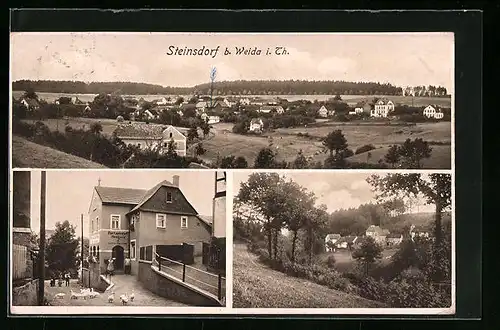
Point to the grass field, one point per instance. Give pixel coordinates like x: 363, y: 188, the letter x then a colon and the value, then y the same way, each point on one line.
x: 26, y: 154
x: 224, y: 142
x: 257, y: 286
x: 288, y: 143
x: 344, y: 261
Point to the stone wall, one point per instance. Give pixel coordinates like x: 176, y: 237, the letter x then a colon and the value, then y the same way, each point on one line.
x: 25, y: 295
x: 172, y: 288
x: 95, y: 278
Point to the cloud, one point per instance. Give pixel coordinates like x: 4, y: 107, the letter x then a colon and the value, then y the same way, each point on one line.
x: 340, y: 199
x: 360, y: 184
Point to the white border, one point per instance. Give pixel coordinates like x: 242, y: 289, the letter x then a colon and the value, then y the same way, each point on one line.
x: 228, y: 310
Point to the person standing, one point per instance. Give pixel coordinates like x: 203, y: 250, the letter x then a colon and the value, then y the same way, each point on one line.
x: 111, y: 267
x: 127, y: 265
x: 67, y: 278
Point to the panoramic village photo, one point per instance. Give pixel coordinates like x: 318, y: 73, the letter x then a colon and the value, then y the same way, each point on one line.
x: 342, y: 240
x: 141, y: 238
x: 199, y: 100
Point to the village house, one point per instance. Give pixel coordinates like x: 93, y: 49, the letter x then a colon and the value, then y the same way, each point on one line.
x: 377, y: 233
x: 271, y: 108
x: 133, y: 223
x: 323, y: 112
x: 201, y: 106
x: 30, y: 104
x: 256, y: 125
x: 330, y: 241
x: 245, y: 101
x: 346, y: 242
x: 152, y: 137
x: 151, y: 114
x: 433, y: 111
x: 418, y: 232
x: 365, y: 107
x: 164, y: 101
x: 213, y: 119
x: 394, y: 239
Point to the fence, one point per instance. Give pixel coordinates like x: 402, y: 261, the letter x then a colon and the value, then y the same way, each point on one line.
x: 212, y: 283
x: 21, y: 263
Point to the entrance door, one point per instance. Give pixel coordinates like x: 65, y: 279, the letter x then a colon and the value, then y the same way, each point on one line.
x: 118, y: 253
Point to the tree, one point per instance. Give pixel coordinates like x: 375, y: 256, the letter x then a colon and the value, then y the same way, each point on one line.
x: 62, y: 247
x: 240, y: 162
x: 368, y: 252
x: 205, y: 128
x: 413, y: 152
x: 337, y: 98
x: 266, y: 158
x: 96, y: 128
x: 300, y: 161
x: 192, y: 133
x: 200, y: 150
x: 30, y: 94
x: 393, y: 155
x: 335, y: 141
x: 435, y: 188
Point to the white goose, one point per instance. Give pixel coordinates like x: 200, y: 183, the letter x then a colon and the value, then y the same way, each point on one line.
x: 111, y: 297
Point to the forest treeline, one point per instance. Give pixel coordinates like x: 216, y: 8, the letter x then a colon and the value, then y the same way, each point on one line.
x: 239, y: 87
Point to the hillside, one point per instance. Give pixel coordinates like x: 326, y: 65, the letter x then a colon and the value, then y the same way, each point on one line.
x: 26, y: 154
x: 257, y: 286
x: 422, y: 220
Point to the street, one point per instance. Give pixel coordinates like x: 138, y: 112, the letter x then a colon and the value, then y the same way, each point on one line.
x: 123, y: 284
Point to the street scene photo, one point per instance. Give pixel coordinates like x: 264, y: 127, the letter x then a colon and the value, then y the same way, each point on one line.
x: 119, y: 238
x: 321, y: 239
x: 214, y: 100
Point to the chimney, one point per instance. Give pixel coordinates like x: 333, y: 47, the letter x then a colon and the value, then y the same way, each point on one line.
x: 175, y: 180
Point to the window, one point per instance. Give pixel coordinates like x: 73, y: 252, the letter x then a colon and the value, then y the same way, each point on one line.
x: 184, y: 222
x: 149, y: 253
x: 97, y: 256
x: 132, y: 249
x: 170, y: 135
x: 161, y: 221
x: 165, y: 144
x: 115, y: 221
x: 169, y: 197
x: 92, y: 226
x: 97, y: 223
x: 139, y: 145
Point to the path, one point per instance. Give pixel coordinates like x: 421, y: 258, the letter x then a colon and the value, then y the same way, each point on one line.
x: 123, y: 284
x: 258, y: 286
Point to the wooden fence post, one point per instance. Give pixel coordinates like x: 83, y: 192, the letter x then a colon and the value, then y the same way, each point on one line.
x: 159, y: 263
x: 183, y: 272
x: 219, y: 287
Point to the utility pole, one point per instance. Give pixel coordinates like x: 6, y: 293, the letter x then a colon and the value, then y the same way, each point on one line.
x: 41, y: 259
x: 81, y: 250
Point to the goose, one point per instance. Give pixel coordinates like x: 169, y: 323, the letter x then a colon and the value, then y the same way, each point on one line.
x: 111, y: 297
x: 132, y: 296
x: 59, y: 295
x: 73, y: 295
x: 124, y: 299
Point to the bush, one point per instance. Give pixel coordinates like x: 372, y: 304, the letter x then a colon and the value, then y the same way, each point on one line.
x: 331, y: 261
x: 365, y: 148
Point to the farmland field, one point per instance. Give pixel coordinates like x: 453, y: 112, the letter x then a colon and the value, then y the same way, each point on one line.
x: 344, y: 261
x: 288, y: 143
x: 26, y: 154
x: 258, y: 286
x: 349, y: 99
x: 223, y: 142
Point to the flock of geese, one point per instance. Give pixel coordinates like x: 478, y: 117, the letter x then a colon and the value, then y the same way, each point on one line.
x: 91, y: 294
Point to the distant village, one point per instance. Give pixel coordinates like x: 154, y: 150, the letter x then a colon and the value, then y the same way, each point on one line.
x: 381, y: 236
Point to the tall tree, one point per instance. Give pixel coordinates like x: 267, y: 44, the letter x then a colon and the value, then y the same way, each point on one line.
x: 62, y: 247
x: 435, y: 188
x: 393, y: 155
x: 413, y: 152
x: 367, y: 253
x: 335, y: 141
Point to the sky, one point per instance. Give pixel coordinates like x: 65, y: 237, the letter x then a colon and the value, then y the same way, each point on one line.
x: 335, y: 190
x: 68, y: 194
x: 402, y: 59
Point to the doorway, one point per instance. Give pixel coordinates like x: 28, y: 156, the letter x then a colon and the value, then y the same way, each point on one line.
x: 118, y: 253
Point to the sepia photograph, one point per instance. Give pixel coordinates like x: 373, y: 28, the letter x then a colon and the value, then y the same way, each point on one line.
x: 367, y: 241
x: 232, y: 100
x: 118, y: 239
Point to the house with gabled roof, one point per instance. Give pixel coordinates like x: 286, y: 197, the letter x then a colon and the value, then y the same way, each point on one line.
x: 346, y: 242
x: 134, y: 223
x: 330, y: 241
x: 30, y: 104
x: 433, y: 111
x: 152, y: 137
x: 377, y: 233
